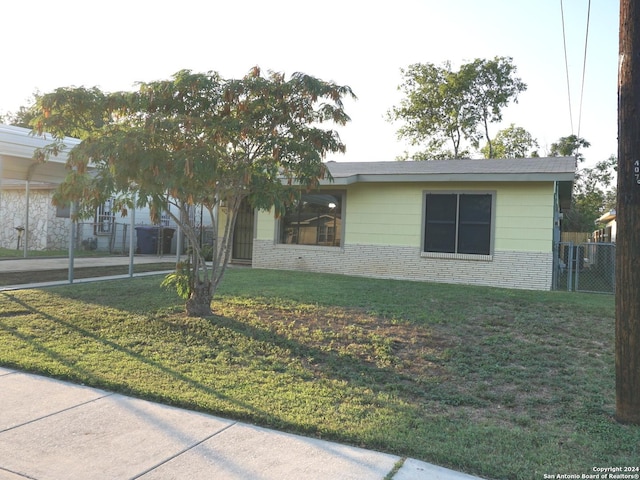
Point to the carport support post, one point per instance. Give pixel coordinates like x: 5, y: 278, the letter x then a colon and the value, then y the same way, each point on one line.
x: 179, y: 238
x: 178, y: 243
x: 72, y: 238
x: 132, y: 224
x: 627, y: 352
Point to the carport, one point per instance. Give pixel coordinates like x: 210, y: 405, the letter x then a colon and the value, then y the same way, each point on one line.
x: 17, y: 164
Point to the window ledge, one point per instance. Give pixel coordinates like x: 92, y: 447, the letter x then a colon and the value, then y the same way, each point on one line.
x: 328, y: 248
x: 457, y: 256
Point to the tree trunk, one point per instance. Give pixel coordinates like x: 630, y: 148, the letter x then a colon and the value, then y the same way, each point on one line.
x: 486, y: 133
x: 199, y: 303
x: 628, y: 218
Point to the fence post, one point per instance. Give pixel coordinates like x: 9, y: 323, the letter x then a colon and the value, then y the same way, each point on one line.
x: 579, y: 259
x: 570, y: 268
x: 556, y: 264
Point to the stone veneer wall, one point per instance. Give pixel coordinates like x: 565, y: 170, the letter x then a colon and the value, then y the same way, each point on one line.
x: 46, y: 231
x: 524, y: 270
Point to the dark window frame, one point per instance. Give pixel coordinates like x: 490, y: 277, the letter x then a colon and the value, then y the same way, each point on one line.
x: 290, y: 233
x: 441, y: 234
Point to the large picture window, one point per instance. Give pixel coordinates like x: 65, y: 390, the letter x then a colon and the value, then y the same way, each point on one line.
x: 315, y: 219
x: 458, y: 223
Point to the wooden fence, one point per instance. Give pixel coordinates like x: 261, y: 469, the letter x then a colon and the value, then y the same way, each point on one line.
x: 575, y: 237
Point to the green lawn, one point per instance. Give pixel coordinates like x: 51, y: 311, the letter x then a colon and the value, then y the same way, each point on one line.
x: 497, y: 383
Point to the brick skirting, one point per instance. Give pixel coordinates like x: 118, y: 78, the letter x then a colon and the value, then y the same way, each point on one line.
x: 524, y: 270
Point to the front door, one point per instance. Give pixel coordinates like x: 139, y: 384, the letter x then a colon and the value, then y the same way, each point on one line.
x: 243, y: 234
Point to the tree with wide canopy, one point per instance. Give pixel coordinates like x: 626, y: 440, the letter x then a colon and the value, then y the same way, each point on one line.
x: 443, y: 107
x: 196, y: 139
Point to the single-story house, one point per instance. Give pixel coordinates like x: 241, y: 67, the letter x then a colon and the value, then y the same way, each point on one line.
x: 484, y: 222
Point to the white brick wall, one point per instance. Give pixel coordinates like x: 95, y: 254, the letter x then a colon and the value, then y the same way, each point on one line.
x: 46, y: 231
x: 525, y: 270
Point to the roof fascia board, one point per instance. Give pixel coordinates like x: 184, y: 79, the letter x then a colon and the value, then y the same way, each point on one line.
x: 32, y: 186
x: 22, y: 143
x: 453, y: 177
x: 340, y: 180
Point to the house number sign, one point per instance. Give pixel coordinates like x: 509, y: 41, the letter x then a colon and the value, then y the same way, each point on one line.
x: 636, y: 171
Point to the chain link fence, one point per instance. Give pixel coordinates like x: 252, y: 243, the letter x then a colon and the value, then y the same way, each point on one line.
x: 149, y: 239
x: 113, y: 239
x: 585, y: 267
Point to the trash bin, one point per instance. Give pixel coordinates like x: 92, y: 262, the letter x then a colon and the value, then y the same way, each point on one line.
x: 167, y: 238
x: 148, y: 239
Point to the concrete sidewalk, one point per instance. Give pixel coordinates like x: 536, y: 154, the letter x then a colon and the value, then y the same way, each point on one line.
x: 53, y: 430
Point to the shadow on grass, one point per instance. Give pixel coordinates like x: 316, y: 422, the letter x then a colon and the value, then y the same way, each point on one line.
x: 315, y: 364
x: 89, y: 377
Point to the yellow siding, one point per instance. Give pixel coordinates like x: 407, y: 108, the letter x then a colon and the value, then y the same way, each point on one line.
x: 265, y: 227
x: 222, y: 220
x: 524, y: 217
x: 391, y: 214
x: 383, y: 214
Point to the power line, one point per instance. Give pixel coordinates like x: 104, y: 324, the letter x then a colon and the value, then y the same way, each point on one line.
x: 566, y: 65
x: 584, y: 66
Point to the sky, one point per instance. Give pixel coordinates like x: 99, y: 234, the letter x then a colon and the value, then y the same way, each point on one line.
x: 363, y: 44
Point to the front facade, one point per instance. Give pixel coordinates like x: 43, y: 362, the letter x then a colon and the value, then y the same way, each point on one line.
x: 484, y: 222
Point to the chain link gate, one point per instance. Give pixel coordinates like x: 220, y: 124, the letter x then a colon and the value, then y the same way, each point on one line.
x: 585, y: 267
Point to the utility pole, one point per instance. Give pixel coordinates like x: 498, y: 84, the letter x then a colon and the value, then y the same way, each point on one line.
x: 628, y: 218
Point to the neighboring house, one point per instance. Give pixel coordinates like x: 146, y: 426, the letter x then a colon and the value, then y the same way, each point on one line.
x: 27, y: 214
x: 608, y: 232
x: 484, y: 222
x: 26, y: 209
x: 48, y: 225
